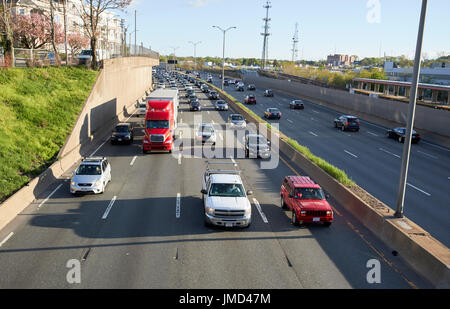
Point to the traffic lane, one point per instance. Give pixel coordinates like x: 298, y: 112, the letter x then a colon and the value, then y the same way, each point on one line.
x: 339, y: 145
x: 266, y: 187
x: 52, y: 236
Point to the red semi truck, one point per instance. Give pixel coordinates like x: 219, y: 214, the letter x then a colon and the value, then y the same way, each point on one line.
x: 160, y: 121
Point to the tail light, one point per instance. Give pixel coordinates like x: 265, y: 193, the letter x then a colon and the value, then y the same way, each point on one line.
x: 359, y: 124
x: 347, y: 124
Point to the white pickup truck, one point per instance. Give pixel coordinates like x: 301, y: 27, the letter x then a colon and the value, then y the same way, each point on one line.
x: 225, y: 199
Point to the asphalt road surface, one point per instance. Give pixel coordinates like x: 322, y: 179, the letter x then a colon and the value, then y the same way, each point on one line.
x: 369, y: 158
x: 147, y: 231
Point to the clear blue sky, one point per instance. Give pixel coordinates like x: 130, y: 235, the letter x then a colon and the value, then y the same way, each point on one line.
x: 326, y: 26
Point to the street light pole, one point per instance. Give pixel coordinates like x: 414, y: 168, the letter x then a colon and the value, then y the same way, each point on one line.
x: 195, y: 53
x: 412, y: 111
x: 223, y: 56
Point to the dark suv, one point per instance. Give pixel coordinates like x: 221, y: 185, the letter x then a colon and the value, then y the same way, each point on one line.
x: 122, y: 133
x: 213, y: 95
x: 268, y: 93
x: 347, y: 123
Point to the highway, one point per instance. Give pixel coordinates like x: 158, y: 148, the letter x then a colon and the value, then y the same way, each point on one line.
x: 147, y: 231
x: 369, y: 158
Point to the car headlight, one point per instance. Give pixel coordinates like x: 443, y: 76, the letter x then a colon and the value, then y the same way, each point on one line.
x: 248, y: 211
x: 98, y: 183
x: 73, y: 183
x: 329, y: 213
x: 210, y: 211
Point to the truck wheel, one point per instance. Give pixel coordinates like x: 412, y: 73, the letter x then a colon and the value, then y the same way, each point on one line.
x: 283, y: 204
x: 294, y: 219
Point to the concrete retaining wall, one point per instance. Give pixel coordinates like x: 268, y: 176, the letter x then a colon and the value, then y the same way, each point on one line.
x: 118, y: 86
x: 422, y: 252
x: 428, y: 119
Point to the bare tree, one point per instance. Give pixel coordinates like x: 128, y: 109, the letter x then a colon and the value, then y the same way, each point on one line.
x: 90, y: 13
x: 7, y: 28
x: 53, y: 32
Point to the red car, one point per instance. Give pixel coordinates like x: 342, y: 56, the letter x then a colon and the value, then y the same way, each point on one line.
x: 306, y: 200
x: 250, y: 99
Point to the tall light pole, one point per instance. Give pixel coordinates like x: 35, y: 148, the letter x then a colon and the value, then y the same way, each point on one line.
x: 223, y: 56
x: 411, y: 115
x: 195, y: 53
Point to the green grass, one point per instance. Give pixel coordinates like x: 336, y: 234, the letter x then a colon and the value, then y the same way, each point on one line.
x: 333, y: 171
x: 38, y: 108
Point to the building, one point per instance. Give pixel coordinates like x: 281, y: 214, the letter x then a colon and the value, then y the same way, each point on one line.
x: 437, y: 74
x: 340, y: 60
x: 111, y: 35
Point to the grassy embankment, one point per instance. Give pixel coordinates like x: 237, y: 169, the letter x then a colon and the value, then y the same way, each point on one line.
x: 38, y: 108
x: 333, y: 171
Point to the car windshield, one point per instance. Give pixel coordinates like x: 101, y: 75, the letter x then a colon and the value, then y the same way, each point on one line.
x: 206, y: 129
x: 237, y: 118
x: 273, y: 110
x: 158, y: 124
x: 227, y: 190
x: 122, y: 129
x: 89, y: 170
x: 353, y: 120
x: 86, y: 53
x: 220, y: 102
x: 142, y: 105
x: 309, y: 194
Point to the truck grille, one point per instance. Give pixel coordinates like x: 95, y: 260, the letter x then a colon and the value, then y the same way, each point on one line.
x: 85, y: 185
x: 157, y: 138
x: 229, y: 213
x: 316, y: 213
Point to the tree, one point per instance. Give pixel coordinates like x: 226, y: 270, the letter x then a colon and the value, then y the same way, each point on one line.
x: 77, y: 42
x: 90, y: 13
x: 34, y: 31
x: 6, y: 27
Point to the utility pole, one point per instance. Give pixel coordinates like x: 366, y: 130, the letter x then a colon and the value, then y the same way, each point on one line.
x: 223, y: 55
x: 295, y: 41
x: 266, y: 35
x: 195, y: 53
x: 65, y: 30
x: 135, y: 31
x: 412, y: 111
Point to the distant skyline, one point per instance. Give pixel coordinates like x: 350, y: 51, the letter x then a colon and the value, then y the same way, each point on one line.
x: 366, y: 28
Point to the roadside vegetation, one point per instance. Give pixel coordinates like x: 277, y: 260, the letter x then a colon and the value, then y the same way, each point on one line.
x: 38, y: 108
x: 332, y: 170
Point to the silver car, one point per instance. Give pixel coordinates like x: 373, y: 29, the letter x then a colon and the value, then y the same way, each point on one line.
x: 206, y: 134
x: 237, y: 121
x: 91, y: 176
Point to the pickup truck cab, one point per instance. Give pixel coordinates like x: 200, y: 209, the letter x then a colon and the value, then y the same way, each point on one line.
x: 224, y: 198
x: 306, y: 200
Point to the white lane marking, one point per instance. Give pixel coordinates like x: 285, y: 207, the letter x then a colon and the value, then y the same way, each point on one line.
x: 6, y: 239
x: 179, y: 159
x: 263, y: 216
x: 181, y: 120
x: 105, y: 215
x: 220, y: 136
x: 371, y: 124
x: 92, y: 154
x: 420, y: 190
x: 232, y: 160
x: 353, y: 155
x: 437, y: 146
x: 132, y: 161
x: 212, y: 121
x: 312, y: 133
x: 313, y: 119
x: 388, y: 152
x: 372, y: 133
x: 289, y: 120
x: 48, y: 197
x: 178, y: 206
x: 424, y: 153
x: 316, y: 112
x: 208, y: 112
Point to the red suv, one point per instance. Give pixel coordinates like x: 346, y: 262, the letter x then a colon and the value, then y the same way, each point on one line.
x: 306, y: 200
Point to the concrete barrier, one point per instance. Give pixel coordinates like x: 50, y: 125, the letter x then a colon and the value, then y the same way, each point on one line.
x: 93, y: 125
x: 422, y: 252
x: 373, y: 109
